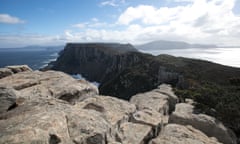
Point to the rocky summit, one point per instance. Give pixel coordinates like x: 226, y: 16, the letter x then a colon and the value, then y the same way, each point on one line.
x: 53, y: 108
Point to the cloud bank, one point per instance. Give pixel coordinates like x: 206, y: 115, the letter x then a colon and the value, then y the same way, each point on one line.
x: 199, y: 21
x: 8, y: 19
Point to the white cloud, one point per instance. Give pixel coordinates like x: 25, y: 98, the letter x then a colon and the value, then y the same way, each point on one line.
x: 109, y: 3
x: 93, y: 23
x: 149, y: 14
x: 80, y: 25
x: 183, y: 0
x: 113, y: 3
x: 95, y: 19
x: 8, y: 19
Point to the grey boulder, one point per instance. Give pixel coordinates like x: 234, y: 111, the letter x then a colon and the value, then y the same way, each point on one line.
x: 184, y: 115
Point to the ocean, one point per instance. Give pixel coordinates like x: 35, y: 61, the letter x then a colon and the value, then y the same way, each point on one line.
x: 35, y: 59
x: 224, y: 56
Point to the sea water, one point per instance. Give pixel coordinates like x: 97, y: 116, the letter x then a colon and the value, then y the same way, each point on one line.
x: 35, y: 59
x: 224, y: 56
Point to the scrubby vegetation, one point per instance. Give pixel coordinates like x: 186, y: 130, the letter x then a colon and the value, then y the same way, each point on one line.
x: 220, y: 101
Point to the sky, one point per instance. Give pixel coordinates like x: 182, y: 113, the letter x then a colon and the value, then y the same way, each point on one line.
x: 56, y: 22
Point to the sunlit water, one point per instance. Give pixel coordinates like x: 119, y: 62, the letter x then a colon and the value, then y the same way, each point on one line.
x: 224, y: 56
x: 34, y: 59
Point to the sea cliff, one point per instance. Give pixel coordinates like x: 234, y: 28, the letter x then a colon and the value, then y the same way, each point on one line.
x: 123, y: 72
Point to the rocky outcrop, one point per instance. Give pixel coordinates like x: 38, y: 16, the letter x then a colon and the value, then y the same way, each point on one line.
x: 52, y: 121
x: 172, y: 98
x: 134, y: 133
x: 7, y: 99
x: 9, y: 70
x: 19, y: 68
x: 52, y: 108
x: 184, y: 115
x: 161, y: 99
x: 32, y: 85
x: 115, y: 110
x: 5, y: 72
x: 151, y: 100
x: 179, y: 134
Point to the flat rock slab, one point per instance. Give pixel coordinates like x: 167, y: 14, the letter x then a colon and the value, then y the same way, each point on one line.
x: 151, y: 100
x: 32, y: 85
x: 132, y: 133
x: 148, y: 117
x: 52, y: 120
x: 34, y: 123
x: 115, y: 110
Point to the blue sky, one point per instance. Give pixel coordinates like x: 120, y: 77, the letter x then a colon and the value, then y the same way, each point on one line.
x: 55, y: 22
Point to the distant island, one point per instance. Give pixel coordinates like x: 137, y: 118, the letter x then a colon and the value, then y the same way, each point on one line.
x: 163, y: 44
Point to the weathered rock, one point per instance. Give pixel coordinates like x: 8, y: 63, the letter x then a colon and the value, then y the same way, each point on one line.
x: 32, y: 85
x: 52, y: 120
x: 132, y: 133
x: 9, y: 70
x: 147, y: 117
x: 178, y: 134
x: 189, y: 101
x: 184, y: 114
x: 87, y: 127
x: 115, y: 110
x: 167, y: 90
x: 7, y: 99
x: 5, y: 72
x: 151, y: 100
x: 37, y: 122
x: 150, y: 118
x: 19, y: 68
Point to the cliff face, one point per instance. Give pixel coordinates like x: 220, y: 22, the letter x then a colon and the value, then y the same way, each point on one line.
x: 121, y: 70
x: 95, y: 61
x: 52, y: 108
